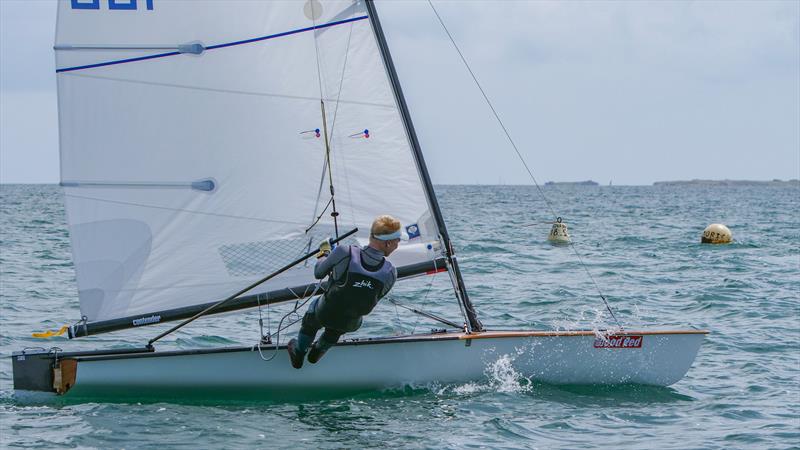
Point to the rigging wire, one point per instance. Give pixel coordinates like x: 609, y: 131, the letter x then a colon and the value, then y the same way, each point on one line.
x: 319, y: 194
x: 421, y: 313
x: 334, y: 213
x: 521, y: 158
x: 425, y: 314
x: 319, y: 216
x: 261, y: 320
x: 316, y: 46
x: 326, y: 163
x: 281, y: 327
x: 341, y: 79
x: 458, y: 298
x: 427, y: 292
x: 333, y: 123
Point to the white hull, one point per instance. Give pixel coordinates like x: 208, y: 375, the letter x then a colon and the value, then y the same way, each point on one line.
x: 661, y: 359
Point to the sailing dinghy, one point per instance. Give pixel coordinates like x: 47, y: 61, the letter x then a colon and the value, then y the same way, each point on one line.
x: 186, y: 133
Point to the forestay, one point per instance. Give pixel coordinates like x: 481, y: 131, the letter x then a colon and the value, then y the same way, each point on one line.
x: 190, y: 156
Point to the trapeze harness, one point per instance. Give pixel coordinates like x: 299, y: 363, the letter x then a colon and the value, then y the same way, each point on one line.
x: 347, y: 300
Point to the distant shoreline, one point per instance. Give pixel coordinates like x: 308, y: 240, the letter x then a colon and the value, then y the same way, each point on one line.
x: 696, y: 182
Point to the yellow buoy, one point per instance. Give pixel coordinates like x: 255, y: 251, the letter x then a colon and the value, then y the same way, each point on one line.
x: 716, y: 233
x: 558, y: 233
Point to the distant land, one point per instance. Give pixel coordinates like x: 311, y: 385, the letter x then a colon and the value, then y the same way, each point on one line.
x: 775, y: 182
x: 571, y: 183
x: 695, y: 182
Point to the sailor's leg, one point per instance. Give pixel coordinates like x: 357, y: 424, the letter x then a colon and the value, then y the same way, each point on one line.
x: 308, y: 331
x: 327, y: 340
x: 297, y: 348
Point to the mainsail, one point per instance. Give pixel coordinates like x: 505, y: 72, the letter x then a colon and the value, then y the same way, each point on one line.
x: 192, y: 146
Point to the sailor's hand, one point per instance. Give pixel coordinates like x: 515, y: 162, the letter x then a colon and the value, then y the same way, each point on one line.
x: 324, y: 248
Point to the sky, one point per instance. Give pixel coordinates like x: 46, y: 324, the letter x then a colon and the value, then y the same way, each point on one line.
x: 628, y: 92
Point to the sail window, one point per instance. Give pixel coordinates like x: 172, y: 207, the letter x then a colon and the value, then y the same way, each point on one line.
x: 262, y: 257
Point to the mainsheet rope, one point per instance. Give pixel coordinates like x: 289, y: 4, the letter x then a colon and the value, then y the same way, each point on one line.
x: 281, y: 327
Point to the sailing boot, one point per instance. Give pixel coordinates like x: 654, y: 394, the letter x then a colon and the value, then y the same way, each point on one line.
x: 317, y: 351
x: 295, y: 355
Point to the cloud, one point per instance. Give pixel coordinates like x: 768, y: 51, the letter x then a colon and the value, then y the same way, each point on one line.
x: 637, y: 91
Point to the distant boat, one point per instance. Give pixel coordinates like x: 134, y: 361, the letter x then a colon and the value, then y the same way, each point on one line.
x: 192, y: 168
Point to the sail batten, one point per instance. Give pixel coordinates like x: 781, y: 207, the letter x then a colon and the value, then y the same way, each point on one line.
x: 181, y: 48
x: 202, y: 185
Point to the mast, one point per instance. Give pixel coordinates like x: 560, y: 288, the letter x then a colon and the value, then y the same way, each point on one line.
x: 473, y: 324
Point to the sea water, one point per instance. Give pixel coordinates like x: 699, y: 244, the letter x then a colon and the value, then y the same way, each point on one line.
x: 637, y: 245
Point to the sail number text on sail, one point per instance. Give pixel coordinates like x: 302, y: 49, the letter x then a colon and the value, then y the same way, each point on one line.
x: 121, y: 5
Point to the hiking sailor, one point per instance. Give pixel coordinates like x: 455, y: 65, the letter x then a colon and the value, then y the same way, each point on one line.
x: 359, y: 278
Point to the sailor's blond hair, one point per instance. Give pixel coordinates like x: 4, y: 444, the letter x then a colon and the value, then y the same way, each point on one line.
x: 384, y: 225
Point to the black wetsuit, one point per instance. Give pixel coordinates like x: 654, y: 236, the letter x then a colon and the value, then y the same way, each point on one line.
x: 359, y: 278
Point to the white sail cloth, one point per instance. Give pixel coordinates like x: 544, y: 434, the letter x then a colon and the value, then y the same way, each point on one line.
x: 140, y: 122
